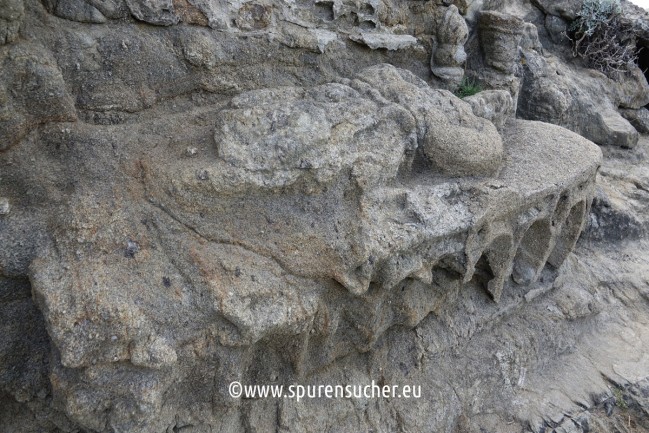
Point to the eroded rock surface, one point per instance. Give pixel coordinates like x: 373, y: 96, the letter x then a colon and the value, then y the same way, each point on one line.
x: 193, y: 193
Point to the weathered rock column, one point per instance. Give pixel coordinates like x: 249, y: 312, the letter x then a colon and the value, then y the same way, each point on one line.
x: 448, y: 56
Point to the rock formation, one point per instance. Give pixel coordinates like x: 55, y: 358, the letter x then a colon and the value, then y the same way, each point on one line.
x: 448, y: 55
x: 194, y: 193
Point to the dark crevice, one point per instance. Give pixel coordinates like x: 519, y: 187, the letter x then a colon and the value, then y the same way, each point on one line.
x: 643, y: 61
x: 483, y: 272
x: 324, y: 11
x: 25, y: 343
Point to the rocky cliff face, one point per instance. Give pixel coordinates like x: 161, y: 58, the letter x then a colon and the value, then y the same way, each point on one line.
x: 194, y: 193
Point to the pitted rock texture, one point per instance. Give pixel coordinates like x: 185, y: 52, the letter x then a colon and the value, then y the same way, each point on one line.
x: 273, y: 192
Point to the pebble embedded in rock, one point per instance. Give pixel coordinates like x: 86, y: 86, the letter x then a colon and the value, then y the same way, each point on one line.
x: 4, y: 206
x: 131, y: 249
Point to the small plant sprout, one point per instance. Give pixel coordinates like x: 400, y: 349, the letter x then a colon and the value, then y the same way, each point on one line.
x: 468, y: 87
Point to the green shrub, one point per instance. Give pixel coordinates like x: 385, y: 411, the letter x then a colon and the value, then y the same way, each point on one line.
x: 619, y: 399
x: 468, y: 87
x: 602, y: 36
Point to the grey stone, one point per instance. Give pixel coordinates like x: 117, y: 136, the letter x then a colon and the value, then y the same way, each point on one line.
x: 551, y: 94
x: 42, y: 98
x: 217, y: 13
x: 473, y: 11
x: 385, y: 41
x: 253, y: 16
x: 112, y: 9
x: 475, y: 155
x: 557, y: 29
x: 631, y: 89
x: 611, y: 219
x: 159, y: 12
x: 610, y: 128
x: 456, y: 142
x: 638, y: 118
x: 4, y: 206
x: 448, y: 47
x: 530, y: 38
x: 494, y: 105
x: 567, y: 9
x: 79, y: 10
x: 500, y: 36
x: 276, y: 144
x: 201, y: 51
x: 11, y: 16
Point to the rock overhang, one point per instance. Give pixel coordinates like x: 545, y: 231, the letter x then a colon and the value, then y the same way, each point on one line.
x: 280, y: 247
